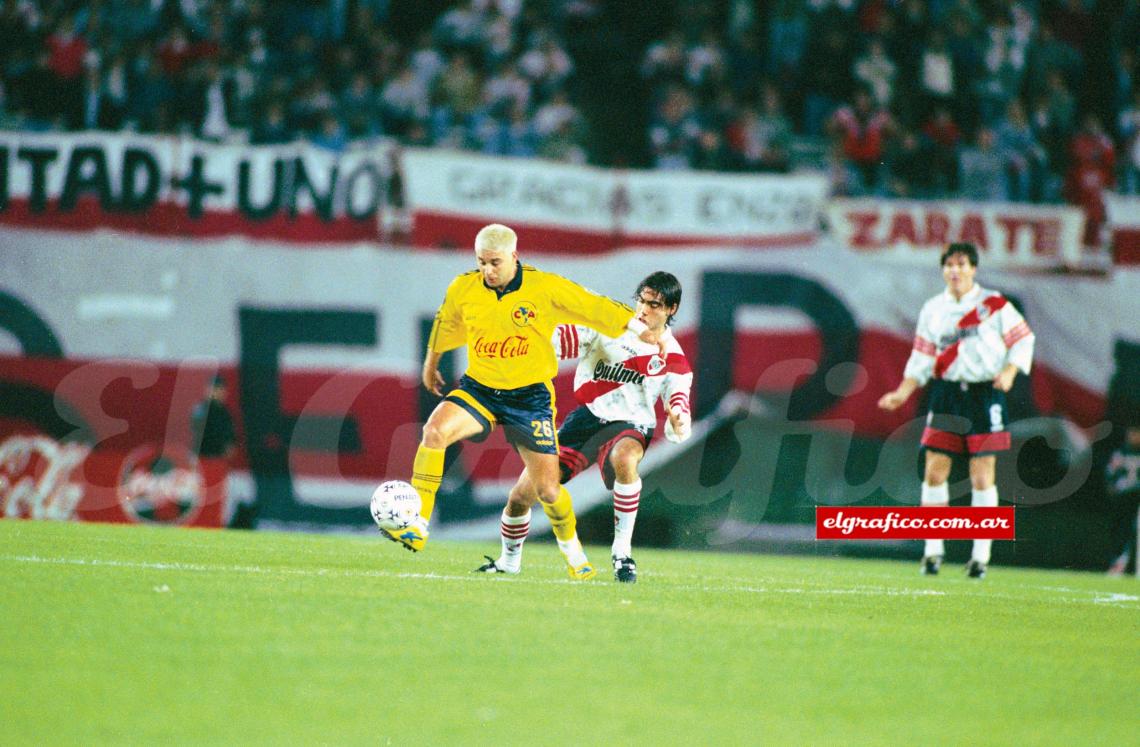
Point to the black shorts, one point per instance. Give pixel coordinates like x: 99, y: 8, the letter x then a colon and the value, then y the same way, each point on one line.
x: 527, y: 413
x: 966, y: 419
x: 584, y: 438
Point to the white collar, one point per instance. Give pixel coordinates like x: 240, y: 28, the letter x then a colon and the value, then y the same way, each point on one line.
x: 971, y: 296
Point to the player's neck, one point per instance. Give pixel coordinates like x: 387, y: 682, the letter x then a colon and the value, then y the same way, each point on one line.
x: 959, y: 296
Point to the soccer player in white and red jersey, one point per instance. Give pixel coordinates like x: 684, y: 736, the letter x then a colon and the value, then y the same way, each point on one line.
x: 505, y: 313
x: 972, y: 342
x: 617, y: 384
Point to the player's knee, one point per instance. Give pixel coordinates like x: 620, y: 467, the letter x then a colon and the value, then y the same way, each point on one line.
x: 936, y: 475
x: 547, y: 491
x: 434, y: 436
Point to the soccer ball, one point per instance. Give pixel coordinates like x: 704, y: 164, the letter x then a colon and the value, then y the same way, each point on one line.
x: 395, y: 505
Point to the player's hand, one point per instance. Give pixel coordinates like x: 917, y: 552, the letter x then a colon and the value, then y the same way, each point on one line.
x: 892, y: 401
x: 679, y: 426
x: 1004, y: 381
x: 433, y: 381
x: 655, y: 338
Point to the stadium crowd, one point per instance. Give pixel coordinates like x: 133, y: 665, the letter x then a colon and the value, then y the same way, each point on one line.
x: 1024, y: 100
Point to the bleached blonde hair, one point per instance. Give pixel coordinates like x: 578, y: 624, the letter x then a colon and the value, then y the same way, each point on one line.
x: 496, y: 238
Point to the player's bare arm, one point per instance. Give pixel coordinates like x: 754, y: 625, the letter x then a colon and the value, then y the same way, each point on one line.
x: 431, y: 377
x: 893, y: 400
x: 1004, y: 380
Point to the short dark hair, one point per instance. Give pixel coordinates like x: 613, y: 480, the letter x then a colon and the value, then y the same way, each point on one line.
x: 666, y: 285
x: 969, y: 250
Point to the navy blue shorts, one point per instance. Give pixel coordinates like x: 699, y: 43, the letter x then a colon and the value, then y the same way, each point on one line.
x: 966, y: 419
x: 584, y: 438
x: 526, y: 413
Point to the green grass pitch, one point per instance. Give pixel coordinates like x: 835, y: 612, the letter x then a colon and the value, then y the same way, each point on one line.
x: 159, y: 636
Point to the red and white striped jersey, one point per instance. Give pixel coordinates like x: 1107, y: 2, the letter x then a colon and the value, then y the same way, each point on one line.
x: 969, y: 340
x: 622, y: 378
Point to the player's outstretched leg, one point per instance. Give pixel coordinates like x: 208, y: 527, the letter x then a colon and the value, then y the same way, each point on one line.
x: 565, y: 525
x: 512, y: 534
x: 627, y: 497
x: 427, y: 473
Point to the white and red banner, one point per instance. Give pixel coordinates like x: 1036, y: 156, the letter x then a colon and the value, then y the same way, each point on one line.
x: 116, y: 336
x: 1006, y: 234
x: 1124, y: 227
x: 164, y: 185
x: 566, y: 208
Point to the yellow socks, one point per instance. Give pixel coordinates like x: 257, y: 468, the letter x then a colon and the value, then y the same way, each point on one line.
x: 427, y: 473
x: 565, y: 525
x: 561, y: 515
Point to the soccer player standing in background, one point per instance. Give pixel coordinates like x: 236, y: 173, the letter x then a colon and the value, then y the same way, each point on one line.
x: 972, y: 342
x: 506, y: 312
x: 617, y: 383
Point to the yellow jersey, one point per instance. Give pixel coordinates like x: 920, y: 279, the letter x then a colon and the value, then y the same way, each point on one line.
x: 508, y: 333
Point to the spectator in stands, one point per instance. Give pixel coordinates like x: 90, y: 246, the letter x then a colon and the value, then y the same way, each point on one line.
x: 404, y: 99
x: 705, y: 61
x: 664, y: 61
x: 1003, y: 59
x: 331, y: 135
x: 555, y: 115
x: 937, y: 83
x: 211, y: 101
x: 908, y: 167
x: 520, y: 138
x: 761, y: 140
x: 711, y: 153
x: 460, y: 28
x: 943, y: 137
x: 745, y: 65
x: 975, y: 58
x: 563, y: 144
x: 1129, y: 128
x: 787, y: 38
x: 1046, y: 55
x: 674, y: 131
x: 458, y: 89
x: 1022, y: 155
x: 982, y: 170
x: 1092, y: 169
x: 1122, y: 475
x: 546, y: 64
x: 863, y: 129
x: 507, y: 88
x: 271, y: 128
x: 827, y: 73
x: 357, y: 104
x: 875, y: 70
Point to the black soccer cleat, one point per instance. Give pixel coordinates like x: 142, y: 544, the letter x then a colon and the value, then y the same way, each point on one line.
x: 489, y: 567
x: 625, y: 570
x: 976, y: 569
x: 931, y: 564
x: 492, y: 566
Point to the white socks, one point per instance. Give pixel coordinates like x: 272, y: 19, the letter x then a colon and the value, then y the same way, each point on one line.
x: 627, y: 497
x: 987, y: 497
x: 513, y: 531
x: 935, y: 496
x: 573, y: 551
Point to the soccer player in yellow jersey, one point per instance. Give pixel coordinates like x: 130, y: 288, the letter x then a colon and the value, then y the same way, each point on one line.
x: 505, y: 313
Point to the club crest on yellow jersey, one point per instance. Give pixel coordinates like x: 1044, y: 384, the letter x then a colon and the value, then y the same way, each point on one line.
x: 523, y: 314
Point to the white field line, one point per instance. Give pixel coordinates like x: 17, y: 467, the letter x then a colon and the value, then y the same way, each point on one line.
x: 1100, y: 598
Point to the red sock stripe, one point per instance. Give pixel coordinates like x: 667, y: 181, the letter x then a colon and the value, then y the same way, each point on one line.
x: 516, y: 531
x: 626, y: 504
